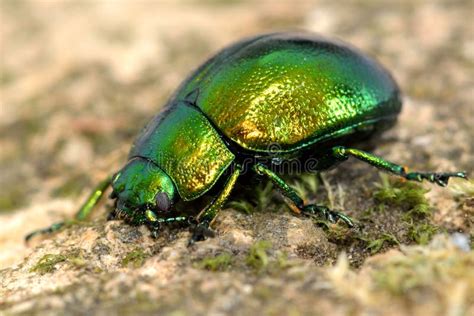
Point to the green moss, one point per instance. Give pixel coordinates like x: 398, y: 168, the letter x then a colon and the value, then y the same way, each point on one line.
x: 371, y: 212
x: 260, y: 261
x: 399, y: 278
x: 217, y: 263
x: 422, y: 233
x: 135, y: 258
x: 242, y: 206
x: 338, y: 233
x: 462, y: 188
x: 406, y: 194
x: 376, y: 245
x: 263, y: 196
x: 76, y: 258
x: 260, y: 199
x: 282, y: 261
x: 258, y: 257
x: 47, y: 263
x: 306, y: 185
x: 406, y: 273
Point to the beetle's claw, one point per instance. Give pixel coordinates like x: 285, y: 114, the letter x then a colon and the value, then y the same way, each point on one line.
x: 200, y: 231
x: 331, y: 216
x: 154, y: 232
x: 440, y: 179
x: 112, y: 215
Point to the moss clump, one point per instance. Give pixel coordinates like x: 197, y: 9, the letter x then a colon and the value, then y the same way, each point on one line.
x: 48, y: 262
x: 282, y: 261
x: 263, y: 196
x: 422, y: 233
x: 402, y: 274
x: 339, y: 234
x: 260, y: 261
x: 135, y: 258
x: 306, y: 185
x: 462, y: 188
x: 260, y: 198
x: 258, y: 256
x: 408, y: 195
x: 376, y: 245
x: 217, y: 263
x: 76, y: 258
x: 242, y: 206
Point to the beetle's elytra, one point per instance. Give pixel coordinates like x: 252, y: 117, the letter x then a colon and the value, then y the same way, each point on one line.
x: 269, y: 98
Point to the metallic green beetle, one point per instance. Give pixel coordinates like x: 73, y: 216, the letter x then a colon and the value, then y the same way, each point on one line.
x: 258, y: 103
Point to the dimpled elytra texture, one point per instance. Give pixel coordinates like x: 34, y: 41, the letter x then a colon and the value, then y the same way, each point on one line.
x: 183, y: 143
x: 292, y: 90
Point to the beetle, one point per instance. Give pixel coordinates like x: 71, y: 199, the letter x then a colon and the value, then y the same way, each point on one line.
x: 257, y: 103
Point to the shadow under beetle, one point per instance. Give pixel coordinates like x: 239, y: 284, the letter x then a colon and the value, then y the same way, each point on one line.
x: 271, y: 98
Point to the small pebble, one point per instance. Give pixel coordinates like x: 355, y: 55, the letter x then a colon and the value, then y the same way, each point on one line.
x: 461, y: 241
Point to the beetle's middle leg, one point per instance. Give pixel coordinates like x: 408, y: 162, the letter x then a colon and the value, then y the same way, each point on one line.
x: 200, y: 227
x: 441, y: 178
x: 297, y: 201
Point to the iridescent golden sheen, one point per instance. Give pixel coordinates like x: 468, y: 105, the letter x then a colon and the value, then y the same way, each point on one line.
x: 292, y: 90
x: 182, y: 142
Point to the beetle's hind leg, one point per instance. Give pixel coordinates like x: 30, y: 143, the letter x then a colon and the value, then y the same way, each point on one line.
x: 440, y: 178
x: 297, y: 203
x: 83, y: 212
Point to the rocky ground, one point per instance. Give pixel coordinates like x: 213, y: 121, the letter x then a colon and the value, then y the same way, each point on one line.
x: 79, y: 79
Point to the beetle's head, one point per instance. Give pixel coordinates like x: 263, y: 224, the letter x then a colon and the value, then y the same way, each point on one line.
x: 140, y: 186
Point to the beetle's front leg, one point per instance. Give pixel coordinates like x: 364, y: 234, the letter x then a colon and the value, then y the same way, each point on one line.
x: 440, y: 178
x: 81, y: 215
x: 201, y: 226
x: 298, y: 203
x: 154, y: 222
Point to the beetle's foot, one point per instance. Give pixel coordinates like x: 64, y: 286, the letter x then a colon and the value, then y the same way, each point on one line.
x: 154, y: 232
x: 45, y: 231
x: 441, y: 178
x: 112, y: 215
x: 200, y: 231
x: 330, y: 215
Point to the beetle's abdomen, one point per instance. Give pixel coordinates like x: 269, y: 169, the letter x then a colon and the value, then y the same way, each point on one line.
x: 292, y: 90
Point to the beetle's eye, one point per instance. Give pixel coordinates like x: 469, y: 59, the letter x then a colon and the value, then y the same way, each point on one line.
x: 163, y: 202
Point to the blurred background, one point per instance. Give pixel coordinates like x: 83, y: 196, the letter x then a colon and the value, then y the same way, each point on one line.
x: 78, y: 79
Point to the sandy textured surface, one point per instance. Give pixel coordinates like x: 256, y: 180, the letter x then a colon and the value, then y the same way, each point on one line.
x: 79, y: 79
